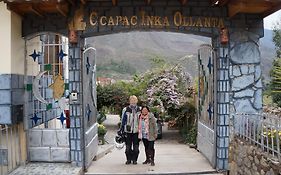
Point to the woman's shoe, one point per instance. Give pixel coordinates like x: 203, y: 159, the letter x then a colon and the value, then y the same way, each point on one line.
x: 146, y: 162
x: 152, y: 163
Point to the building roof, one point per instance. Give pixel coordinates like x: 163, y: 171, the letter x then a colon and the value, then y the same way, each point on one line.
x: 40, y: 7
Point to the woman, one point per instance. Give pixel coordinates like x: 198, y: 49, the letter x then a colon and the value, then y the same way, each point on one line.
x: 148, y: 133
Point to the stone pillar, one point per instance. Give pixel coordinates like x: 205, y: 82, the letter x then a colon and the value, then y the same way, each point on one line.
x: 245, y: 73
x: 75, y: 84
x: 222, y: 104
x: 245, y: 79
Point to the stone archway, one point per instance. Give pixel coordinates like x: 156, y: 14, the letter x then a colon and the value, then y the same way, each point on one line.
x: 238, y: 85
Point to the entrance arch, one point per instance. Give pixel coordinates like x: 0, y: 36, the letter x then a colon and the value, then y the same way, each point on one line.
x: 238, y: 62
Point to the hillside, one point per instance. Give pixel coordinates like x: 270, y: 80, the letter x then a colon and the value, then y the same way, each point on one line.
x: 267, y: 53
x: 122, y: 55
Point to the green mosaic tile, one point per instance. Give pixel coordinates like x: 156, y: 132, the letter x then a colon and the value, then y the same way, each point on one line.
x: 49, y: 106
x: 66, y: 86
x: 28, y: 87
x: 48, y: 67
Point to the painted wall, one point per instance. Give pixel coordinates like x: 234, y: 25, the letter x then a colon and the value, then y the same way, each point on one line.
x: 12, y: 48
x: 5, y: 38
x: 17, y: 45
x: 12, y: 44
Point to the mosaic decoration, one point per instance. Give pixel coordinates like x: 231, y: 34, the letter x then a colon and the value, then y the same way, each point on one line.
x: 61, y: 118
x: 206, y: 86
x: 34, y: 55
x: 63, y: 103
x: 45, y: 90
x: 66, y: 86
x: 210, y: 112
x: 49, y: 106
x: 88, y: 112
x: 61, y: 55
x: 210, y: 65
x: 88, y: 65
x: 28, y: 87
x: 36, y: 86
x: 35, y: 119
x: 48, y: 67
x: 57, y: 86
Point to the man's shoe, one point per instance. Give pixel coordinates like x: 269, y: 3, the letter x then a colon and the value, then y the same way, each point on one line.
x: 146, y: 162
x: 135, y: 162
x: 128, y: 162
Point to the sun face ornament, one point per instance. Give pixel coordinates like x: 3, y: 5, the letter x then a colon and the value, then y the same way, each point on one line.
x: 58, y: 87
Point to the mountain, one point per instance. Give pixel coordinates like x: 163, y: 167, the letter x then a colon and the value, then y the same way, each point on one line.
x: 122, y: 55
x: 267, y: 49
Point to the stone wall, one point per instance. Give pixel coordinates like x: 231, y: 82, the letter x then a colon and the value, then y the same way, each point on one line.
x: 246, y: 159
x: 245, y: 73
x: 49, y: 145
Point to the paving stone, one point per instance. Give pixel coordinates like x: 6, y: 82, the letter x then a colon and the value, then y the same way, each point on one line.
x: 5, y: 114
x: 5, y: 81
x: 242, y: 82
x: 5, y: 96
x: 236, y: 71
x: 244, y: 69
x: 35, y: 137
x: 49, y: 138
x: 244, y: 93
x: 251, y: 69
x: 39, y: 154
x: 47, y: 169
x: 63, y: 137
x: 258, y: 73
x: 60, y: 154
x: 245, y: 53
x: 258, y: 99
x: 259, y: 84
x: 244, y: 106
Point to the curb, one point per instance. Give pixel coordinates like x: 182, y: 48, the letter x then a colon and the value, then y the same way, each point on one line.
x: 104, y: 152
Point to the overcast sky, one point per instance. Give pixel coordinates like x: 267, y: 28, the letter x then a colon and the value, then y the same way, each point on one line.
x: 270, y: 20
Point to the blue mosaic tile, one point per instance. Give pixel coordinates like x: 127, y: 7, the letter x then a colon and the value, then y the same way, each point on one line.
x: 21, y: 81
x: 5, y: 97
x: 17, y: 96
x: 5, y: 81
x: 14, y: 81
x: 5, y: 114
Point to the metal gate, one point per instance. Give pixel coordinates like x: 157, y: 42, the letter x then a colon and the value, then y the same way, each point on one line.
x: 206, y: 102
x: 89, y: 118
x: 46, y: 98
x: 46, y: 81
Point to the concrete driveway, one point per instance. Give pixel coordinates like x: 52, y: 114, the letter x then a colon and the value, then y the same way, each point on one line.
x: 171, y: 157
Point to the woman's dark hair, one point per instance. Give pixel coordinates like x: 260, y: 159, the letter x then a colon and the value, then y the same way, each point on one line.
x: 145, y: 107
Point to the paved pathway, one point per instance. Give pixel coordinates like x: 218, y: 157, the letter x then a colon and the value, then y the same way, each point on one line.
x: 47, y: 169
x: 171, y: 157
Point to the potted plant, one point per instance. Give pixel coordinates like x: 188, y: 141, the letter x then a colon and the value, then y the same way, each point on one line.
x: 101, y: 133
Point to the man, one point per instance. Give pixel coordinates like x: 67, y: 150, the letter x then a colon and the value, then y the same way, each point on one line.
x: 129, y: 125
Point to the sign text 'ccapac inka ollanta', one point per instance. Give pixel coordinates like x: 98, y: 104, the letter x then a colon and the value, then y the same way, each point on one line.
x: 156, y: 21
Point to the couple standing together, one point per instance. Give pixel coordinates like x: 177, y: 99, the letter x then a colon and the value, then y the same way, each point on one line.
x: 138, y: 124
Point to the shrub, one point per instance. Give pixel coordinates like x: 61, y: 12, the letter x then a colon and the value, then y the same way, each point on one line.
x: 101, y: 130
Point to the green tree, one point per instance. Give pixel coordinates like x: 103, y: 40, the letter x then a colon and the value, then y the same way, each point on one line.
x: 275, y: 74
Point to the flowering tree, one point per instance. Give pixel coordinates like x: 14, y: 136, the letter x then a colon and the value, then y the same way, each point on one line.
x: 168, y: 89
